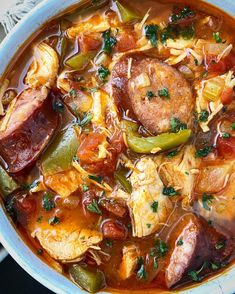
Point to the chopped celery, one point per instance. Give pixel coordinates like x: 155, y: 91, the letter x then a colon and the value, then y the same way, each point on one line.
x: 126, y: 14
x: 90, y: 280
x: 80, y: 61
x: 213, y: 89
x: 7, y: 184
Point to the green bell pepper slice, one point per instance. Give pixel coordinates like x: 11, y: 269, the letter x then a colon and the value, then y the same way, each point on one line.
x: 59, y: 156
x: 7, y: 183
x: 120, y: 176
x: 80, y: 60
x: 145, y: 145
x: 126, y: 14
x: 91, y: 281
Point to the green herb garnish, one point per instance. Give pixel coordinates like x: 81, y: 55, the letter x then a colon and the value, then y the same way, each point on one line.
x: 109, y: 243
x: 217, y: 38
x: 103, y: 73
x: 203, y: 152
x: 95, y: 178
x: 169, y: 191
x: 150, y: 95
x: 85, y: 120
x: 48, y: 202
x: 164, y: 93
x: 180, y: 242
x: 188, y: 32
x: 151, y: 33
x: 186, y: 12
x: 176, y: 125
x: 109, y: 41
x: 203, y: 116
x: 154, y: 206
x: 54, y: 220
x: 226, y: 135
x: 233, y: 126
x: 141, y: 273
x: 85, y: 188
x: 93, y: 207
x: 172, y: 153
x: 207, y: 200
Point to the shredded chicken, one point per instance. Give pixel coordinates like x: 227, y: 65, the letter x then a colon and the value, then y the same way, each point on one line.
x: 43, y: 71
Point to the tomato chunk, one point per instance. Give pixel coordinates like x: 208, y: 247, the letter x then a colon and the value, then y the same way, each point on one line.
x: 88, y: 43
x: 227, y: 96
x: 126, y: 41
x: 226, y: 147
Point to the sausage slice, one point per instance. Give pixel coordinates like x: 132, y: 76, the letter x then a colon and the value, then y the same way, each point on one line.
x: 195, y: 244
x: 31, y: 124
x: 154, y: 91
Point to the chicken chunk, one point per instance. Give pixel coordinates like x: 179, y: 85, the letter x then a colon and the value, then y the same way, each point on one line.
x: 43, y: 71
x: 154, y: 91
x: 149, y: 208
x: 129, y: 261
x: 67, y: 245
x: 220, y: 208
x: 193, y: 242
x: 28, y: 130
x: 178, y: 171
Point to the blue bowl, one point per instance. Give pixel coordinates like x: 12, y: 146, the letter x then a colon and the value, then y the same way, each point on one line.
x: 9, y: 237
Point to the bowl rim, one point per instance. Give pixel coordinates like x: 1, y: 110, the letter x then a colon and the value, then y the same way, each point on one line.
x: 9, y: 236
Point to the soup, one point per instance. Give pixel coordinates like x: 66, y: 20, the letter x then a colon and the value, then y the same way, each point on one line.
x: 117, y: 144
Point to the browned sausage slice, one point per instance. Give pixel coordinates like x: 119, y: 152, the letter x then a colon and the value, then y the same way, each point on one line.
x: 28, y: 130
x: 195, y: 244
x: 153, y: 90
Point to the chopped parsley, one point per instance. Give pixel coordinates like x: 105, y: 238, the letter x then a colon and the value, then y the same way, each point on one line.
x: 148, y: 226
x: 28, y: 187
x: 109, y: 41
x: 180, y: 242
x: 141, y: 273
x: 95, y: 178
x: 219, y: 245
x: 48, y: 202
x: 154, y: 206
x: 73, y: 93
x: 215, y: 266
x: 169, y: 191
x: 184, y: 13
x: 58, y: 106
x: 109, y: 243
x: 203, y: 152
x: 226, y: 135
x: 151, y: 33
x: 176, y: 125
x: 164, y: 93
x: 203, y: 116
x: 207, y: 201
x: 217, y: 38
x: 103, y: 73
x: 233, y: 126
x: 150, y: 95
x: 196, y: 62
x: 188, y: 32
x: 85, y: 188
x: 54, y: 220
x: 167, y: 33
x: 194, y: 275
x: 94, y: 207
x: 172, y: 153
x: 85, y: 120
x: 161, y: 248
